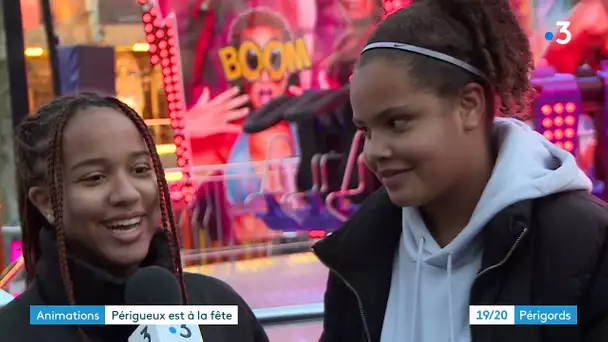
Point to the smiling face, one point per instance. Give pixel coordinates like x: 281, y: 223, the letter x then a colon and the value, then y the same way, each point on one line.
x: 111, y: 199
x: 264, y: 89
x: 416, y: 142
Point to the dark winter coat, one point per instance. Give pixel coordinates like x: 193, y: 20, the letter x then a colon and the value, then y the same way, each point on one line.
x: 548, y: 251
x: 93, y: 286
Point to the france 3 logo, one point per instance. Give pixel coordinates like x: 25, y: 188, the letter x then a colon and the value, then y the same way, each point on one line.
x: 563, y: 36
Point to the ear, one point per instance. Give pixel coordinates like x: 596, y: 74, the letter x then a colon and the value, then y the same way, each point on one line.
x: 473, y: 106
x: 41, y: 200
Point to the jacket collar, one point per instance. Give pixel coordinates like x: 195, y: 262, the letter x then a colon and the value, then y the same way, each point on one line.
x: 92, y: 285
x: 362, y: 251
x: 372, y: 234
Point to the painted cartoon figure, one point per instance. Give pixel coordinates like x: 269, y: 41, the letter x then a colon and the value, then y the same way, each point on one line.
x: 261, y: 62
x: 251, y: 61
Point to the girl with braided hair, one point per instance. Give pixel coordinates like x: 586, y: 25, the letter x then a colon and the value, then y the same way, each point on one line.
x: 95, y: 207
x: 474, y: 209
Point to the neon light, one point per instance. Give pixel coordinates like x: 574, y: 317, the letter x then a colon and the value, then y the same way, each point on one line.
x: 16, y: 250
x: 164, y: 51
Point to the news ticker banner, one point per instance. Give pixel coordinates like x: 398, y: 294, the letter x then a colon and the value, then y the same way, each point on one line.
x: 228, y: 315
x: 134, y: 314
x: 523, y: 315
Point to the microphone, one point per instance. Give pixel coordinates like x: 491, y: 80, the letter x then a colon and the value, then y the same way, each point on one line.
x: 157, y: 286
x: 5, y: 298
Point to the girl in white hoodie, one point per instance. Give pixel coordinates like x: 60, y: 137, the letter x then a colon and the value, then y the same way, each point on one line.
x: 474, y: 211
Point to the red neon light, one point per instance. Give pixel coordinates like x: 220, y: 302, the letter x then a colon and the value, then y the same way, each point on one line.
x: 164, y: 51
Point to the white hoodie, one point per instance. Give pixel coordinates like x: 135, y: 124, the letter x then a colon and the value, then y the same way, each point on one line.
x: 430, y: 287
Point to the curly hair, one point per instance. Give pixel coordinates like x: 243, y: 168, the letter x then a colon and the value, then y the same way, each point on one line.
x: 39, y: 146
x: 483, y: 33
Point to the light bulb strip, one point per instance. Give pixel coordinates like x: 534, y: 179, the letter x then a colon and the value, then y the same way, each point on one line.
x: 164, y: 50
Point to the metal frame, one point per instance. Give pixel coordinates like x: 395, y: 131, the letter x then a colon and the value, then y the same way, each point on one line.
x: 13, y: 28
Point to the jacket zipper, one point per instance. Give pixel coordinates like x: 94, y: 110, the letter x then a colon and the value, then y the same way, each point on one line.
x: 502, y: 262
x: 359, y: 302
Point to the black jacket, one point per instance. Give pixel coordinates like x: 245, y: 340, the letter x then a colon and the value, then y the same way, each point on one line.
x: 548, y: 251
x: 93, y: 286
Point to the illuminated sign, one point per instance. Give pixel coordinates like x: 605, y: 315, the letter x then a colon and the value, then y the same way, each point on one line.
x: 276, y: 58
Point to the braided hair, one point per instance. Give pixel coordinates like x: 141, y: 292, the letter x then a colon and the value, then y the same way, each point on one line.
x: 483, y: 33
x: 39, y: 146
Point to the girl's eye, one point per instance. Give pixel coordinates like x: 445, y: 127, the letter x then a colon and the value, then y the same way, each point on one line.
x: 398, y: 124
x: 142, y: 169
x: 93, y: 179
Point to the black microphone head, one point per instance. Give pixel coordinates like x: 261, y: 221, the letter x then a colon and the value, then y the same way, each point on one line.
x: 153, y: 285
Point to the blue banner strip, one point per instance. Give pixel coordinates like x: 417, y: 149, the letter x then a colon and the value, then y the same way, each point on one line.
x: 546, y: 315
x: 67, y: 315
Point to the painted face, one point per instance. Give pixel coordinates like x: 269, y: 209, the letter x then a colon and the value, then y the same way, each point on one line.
x: 264, y: 88
x: 111, y: 202
x: 358, y: 9
x: 413, y: 138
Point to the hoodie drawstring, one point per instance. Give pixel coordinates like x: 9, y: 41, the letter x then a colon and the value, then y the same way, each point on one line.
x: 416, y: 288
x: 450, y: 304
x: 417, y: 291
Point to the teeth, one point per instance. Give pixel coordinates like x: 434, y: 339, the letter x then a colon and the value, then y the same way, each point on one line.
x: 125, y: 223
